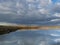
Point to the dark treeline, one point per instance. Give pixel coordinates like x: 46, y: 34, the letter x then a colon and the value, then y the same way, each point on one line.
x: 7, y: 29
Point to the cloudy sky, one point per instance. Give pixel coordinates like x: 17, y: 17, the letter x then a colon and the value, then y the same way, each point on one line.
x: 40, y: 12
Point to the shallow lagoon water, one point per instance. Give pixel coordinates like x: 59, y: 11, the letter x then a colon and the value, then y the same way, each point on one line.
x: 37, y: 37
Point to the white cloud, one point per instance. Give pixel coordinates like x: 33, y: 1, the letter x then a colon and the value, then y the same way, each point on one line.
x: 57, y: 14
x: 19, y: 5
x: 8, y: 41
x: 7, y: 24
x: 57, y: 40
x: 5, y: 8
x: 43, y: 43
x: 43, y: 11
x: 5, y: 42
x: 5, y: 5
x: 50, y: 1
x: 20, y: 8
x: 30, y: 0
x: 54, y: 34
x: 44, y: 3
x: 55, y: 20
x: 58, y: 3
x: 6, y: 12
x: 55, y: 8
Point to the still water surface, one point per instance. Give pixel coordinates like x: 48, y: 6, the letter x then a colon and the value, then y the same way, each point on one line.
x: 37, y: 37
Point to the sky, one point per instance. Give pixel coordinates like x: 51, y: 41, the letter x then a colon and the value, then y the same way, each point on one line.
x: 36, y: 12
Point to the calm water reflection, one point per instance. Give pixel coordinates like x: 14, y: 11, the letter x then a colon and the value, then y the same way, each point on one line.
x: 41, y: 37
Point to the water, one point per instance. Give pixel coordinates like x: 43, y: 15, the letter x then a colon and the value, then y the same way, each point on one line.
x: 40, y: 37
